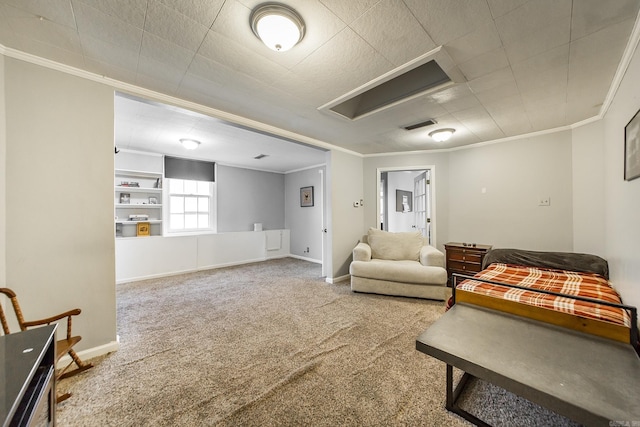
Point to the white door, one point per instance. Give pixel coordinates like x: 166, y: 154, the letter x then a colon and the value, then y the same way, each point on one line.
x: 421, y: 204
x: 323, y: 224
x: 422, y: 215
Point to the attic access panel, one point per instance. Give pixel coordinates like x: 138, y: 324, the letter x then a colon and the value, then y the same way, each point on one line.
x: 428, y: 73
x: 416, y: 81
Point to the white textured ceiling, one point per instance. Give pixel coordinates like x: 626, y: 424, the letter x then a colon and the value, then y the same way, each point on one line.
x: 529, y: 65
x: 150, y: 126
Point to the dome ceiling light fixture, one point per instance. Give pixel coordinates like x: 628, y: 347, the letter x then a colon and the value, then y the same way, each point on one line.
x: 442, y: 135
x: 277, y: 25
x: 189, y: 144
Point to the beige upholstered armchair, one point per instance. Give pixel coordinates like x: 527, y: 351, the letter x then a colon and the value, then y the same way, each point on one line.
x: 401, y: 264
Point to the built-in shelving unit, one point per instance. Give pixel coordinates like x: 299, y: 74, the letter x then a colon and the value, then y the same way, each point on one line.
x: 138, y: 198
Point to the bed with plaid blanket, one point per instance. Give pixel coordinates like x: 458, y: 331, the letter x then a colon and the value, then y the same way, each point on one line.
x: 570, y: 283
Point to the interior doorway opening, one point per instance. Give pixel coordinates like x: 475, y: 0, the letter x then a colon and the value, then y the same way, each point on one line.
x: 406, y: 201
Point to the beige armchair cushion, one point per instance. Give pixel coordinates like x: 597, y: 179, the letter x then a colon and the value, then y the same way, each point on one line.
x: 394, y: 246
x: 399, y: 272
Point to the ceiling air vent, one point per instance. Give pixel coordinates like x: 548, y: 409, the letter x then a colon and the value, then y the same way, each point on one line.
x: 428, y: 73
x: 420, y: 125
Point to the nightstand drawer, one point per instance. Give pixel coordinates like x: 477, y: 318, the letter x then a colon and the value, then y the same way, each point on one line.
x: 465, y: 256
x: 462, y: 266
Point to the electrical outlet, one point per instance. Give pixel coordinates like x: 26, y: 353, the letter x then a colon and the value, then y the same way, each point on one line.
x: 544, y: 201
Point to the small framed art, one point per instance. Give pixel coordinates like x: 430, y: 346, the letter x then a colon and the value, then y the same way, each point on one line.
x: 125, y: 198
x: 632, y: 148
x: 306, y: 197
x: 404, y: 201
x: 144, y: 229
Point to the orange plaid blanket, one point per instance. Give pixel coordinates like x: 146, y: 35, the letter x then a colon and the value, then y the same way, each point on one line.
x: 565, y: 282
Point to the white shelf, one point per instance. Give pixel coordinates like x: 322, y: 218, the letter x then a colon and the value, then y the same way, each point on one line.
x: 153, y: 236
x: 123, y: 189
x: 139, y: 174
x: 137, y: 206
x: 127, y: 222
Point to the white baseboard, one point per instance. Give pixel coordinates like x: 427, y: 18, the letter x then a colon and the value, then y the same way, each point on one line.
x: 230, y: 264
x: 339, y: 279
x: 191, y: 270
x: 154, y: 276
x: 317, y: 261
x: 90, y: 353
x: 213, y: 267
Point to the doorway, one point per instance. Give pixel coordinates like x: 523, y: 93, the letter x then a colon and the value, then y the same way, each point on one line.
x: 406, y: 200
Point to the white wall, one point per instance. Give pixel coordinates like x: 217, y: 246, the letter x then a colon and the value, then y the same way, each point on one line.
x: 346, y: 222
x: 622, y: 198
x: 514, y: 176
x: 140, y: 258
x: 587, y: 144
x: 248, y: 196
x: 3, y: 176
x: 59, y: 198
x: 304, y: 223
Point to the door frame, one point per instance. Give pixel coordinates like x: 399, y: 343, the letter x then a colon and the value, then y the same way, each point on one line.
x: 432, y: 168
x: 323, y: 223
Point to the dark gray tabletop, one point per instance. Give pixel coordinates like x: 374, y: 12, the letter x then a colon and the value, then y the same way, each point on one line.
x: 20, y: 355
x: 586, y: 378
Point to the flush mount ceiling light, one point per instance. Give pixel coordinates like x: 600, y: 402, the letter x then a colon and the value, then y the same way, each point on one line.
x: 442, y: 135
x: 277, y: 25
x: 190, y: 144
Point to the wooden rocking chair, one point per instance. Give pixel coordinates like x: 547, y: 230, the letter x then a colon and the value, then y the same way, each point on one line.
x: 64, y: 346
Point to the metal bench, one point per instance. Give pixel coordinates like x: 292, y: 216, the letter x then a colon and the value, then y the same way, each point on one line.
x: 592, y: 380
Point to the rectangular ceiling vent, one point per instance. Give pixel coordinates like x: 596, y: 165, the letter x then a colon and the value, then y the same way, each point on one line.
x: 421, y: 125
x: 428, y: 73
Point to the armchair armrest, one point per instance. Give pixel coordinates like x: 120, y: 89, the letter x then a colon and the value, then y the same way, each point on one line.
x: 431, y: 256
x: 362, y: 252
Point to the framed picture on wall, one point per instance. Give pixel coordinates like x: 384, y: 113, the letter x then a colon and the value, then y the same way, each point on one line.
x: 404, y: 201
x: 632, y: 148
x: 306, y: 197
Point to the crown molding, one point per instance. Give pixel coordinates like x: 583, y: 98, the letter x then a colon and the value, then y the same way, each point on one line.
x: 627, y: 55
x: 178, y: 102
x: 321, y: 165
x: 632, y: 44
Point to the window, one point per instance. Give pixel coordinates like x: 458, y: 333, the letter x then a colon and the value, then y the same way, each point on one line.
x: 190, y: 205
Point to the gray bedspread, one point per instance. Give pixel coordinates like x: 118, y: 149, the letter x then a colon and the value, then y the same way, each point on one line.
x: 584, y: 263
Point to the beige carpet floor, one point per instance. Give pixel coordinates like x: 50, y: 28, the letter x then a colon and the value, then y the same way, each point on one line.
x: 272, y: 344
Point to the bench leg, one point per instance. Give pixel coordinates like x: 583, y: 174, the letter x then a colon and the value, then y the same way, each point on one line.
x: 454, y: 393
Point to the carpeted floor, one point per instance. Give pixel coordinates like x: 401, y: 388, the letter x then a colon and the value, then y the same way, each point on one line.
x: 270, y: 344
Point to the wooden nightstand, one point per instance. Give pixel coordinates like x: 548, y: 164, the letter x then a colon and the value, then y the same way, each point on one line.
x: 463, y: 259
